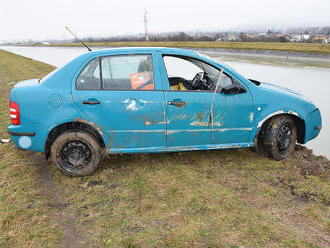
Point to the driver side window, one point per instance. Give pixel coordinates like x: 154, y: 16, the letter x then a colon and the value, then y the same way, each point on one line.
x: 178, y: 67
x: 185, y: 73
x: 180, y: 72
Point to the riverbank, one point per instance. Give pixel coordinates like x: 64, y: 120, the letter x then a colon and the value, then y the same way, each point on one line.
x: 312, y: 48
x: 228, y: 198
x: 282, y: 58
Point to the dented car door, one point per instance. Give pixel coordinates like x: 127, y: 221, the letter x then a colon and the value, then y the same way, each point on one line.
x: 191, y: 118
x: 120, y: 94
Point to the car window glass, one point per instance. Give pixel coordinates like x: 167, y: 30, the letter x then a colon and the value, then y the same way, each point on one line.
x: 185, y: 73
x: 178, y: 67
x: 89, y: 78
x: 225, y: 81
x: 127, y: 72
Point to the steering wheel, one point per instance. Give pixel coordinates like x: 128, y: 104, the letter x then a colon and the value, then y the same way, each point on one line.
x: 198, y: 80
x: 201, y: 82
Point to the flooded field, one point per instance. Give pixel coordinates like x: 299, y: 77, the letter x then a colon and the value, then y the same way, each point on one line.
x: 309, y: 75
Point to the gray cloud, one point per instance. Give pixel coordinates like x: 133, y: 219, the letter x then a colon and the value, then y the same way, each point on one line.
x: 38, y: 19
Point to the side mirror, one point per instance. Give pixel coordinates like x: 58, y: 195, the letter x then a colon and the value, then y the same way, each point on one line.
x: 233, y: 89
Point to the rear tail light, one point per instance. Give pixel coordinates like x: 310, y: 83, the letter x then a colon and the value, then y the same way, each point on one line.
x: 14, y: 113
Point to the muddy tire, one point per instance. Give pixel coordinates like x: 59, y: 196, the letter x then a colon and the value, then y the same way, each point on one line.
x: 280, y: 137
x: 76, y: 153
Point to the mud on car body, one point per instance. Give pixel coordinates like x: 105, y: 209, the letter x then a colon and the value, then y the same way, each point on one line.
x: 144, y: 100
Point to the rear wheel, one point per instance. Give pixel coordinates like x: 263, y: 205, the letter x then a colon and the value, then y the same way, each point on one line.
x: 76, y: 153
x: 280, y: 137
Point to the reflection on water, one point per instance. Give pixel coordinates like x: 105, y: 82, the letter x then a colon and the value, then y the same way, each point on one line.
x: 51, y: 55
x: 312, y: 82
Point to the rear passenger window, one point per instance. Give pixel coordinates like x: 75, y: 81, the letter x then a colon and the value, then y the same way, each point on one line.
x: 89, y: 78
x: 127, y: 72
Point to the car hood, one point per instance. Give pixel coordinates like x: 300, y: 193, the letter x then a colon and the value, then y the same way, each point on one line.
x: 285, y: 91
x: 280, y: 89
x: 302, y: 99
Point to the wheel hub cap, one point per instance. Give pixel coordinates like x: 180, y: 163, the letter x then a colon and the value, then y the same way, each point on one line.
x: 284, y: 138
x: 76, y: 154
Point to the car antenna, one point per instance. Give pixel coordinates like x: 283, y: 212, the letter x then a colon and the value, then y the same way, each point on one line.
x: 78, y: 39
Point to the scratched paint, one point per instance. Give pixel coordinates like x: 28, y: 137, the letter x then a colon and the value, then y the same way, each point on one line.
x: 177, y: 117
x: 93, y: 124
x: 199, y: 123
x: 138, y: 131
x: 293, y: 113
x: 152, y: 122
x: 145, y: 102
x: 110, y: 142
x: 251, y: 117
x: 132, y: 106
x: 276, y: 113
x: 209, y: 130
x: 205, y: 124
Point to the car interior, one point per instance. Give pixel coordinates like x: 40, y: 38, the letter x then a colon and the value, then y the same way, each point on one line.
x: 185, y: 74
x: 189, y: 74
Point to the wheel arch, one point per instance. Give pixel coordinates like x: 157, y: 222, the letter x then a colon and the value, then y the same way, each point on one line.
x: 74, y: 126
x: 299, y: 123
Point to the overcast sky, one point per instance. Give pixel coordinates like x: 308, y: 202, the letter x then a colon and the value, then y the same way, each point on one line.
x: 42, y: 19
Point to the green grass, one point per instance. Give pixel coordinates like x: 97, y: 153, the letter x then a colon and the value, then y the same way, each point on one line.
x: 24, y: 217
x: 275, y: 46
x: 229, y: 198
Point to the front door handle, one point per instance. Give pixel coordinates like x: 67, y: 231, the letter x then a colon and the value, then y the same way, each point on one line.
x: 91, y: 102
x: 176, y: 103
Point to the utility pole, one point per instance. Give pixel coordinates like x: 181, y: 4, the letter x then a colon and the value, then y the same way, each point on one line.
x: 145, y: 24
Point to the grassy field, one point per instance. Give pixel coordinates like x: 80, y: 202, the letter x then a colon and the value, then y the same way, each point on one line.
x: 230, y: 198
x: 275, y: 46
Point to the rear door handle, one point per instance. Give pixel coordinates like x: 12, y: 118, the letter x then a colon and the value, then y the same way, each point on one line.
x: 176, y: 103
x: 91, y: 102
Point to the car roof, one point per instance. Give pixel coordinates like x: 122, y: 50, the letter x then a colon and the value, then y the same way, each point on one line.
x: 143, y: 49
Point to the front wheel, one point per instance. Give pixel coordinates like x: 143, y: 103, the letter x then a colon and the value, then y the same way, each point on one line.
x: 76, y: 153
x: 280, y: 137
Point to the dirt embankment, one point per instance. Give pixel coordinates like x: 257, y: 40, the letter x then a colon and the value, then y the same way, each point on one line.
x: 227, y: 198
x: 310, y: 164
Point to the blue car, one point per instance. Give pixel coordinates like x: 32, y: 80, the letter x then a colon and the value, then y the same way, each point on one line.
x: 146, y: 100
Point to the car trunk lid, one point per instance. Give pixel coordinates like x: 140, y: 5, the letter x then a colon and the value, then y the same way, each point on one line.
x: 27, y: 83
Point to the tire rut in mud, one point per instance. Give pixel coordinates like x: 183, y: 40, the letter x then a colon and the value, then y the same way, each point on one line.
x: 63, y: 214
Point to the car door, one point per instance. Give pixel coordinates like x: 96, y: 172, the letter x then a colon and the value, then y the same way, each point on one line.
x: 233, y: 113
x: 188, y: 111
x: 187, y: 119
x: 121, y: 95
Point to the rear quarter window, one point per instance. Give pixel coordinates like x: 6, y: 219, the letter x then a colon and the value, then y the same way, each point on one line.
x: 89, y: 78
